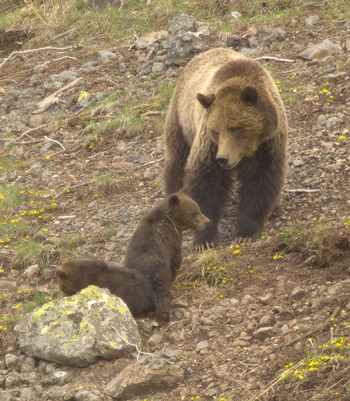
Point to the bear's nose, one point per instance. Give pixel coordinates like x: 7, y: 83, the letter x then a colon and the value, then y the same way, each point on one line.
x: 222, y: 161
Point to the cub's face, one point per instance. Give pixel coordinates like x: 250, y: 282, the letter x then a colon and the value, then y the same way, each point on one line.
x: 238, y: 122
x: 65, y: 283
x: 186, y: 213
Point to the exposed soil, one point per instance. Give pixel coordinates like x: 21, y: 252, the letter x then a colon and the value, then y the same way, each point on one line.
x: 293, y: 281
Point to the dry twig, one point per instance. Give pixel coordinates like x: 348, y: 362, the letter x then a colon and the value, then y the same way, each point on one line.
x: 281, y: 60
x: 16, y: 53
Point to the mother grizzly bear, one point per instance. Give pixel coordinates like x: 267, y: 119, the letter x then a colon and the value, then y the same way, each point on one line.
x: 226, y: 120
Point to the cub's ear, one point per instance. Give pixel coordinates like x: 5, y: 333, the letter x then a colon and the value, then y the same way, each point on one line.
x: 173, y: 200
x: 61, y: 274
x: 206, y: 101
x: 249, y: 95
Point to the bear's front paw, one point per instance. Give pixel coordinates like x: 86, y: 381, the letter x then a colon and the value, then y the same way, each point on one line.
x: 241, y: 238
x: 204, y: 240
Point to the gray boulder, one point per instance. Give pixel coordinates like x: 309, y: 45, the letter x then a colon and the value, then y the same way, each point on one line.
x: 79, y: 330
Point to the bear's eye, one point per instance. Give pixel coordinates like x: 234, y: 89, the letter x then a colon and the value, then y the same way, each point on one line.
x: 194, y: 214
x: 236, y: 131
x: 215, y: 134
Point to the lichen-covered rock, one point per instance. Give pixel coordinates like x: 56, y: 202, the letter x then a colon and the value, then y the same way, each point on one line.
x: 78, y: 330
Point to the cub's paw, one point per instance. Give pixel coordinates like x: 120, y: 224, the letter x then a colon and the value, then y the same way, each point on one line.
x: 162, y: 317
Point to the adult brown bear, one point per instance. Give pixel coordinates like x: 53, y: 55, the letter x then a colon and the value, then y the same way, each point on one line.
x: 226, y: 120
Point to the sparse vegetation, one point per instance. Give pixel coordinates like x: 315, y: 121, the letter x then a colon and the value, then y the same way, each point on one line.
x: 87, y: 198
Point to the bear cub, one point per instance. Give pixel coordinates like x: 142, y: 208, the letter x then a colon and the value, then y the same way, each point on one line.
x: 152, y: 260
x: 74, y: 275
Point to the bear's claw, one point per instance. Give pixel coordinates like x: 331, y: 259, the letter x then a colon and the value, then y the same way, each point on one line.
x: 204, y: 247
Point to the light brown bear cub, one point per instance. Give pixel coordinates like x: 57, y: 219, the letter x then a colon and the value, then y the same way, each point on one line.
x: 152, y: 259
x: 226, y: 120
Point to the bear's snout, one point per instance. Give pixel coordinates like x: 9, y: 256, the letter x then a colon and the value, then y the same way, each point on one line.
x: 222, y: 160
x: 202, y: 224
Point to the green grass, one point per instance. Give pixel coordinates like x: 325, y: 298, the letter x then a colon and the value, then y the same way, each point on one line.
x: 122, y: 114
x: 95, y: 29
x: 38, y: 298
x: 29, y: 252
x: 10, y: 197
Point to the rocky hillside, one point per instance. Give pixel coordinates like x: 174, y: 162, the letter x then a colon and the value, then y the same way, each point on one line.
x: 83, y: 95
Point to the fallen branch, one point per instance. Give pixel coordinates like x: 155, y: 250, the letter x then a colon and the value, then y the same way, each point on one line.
x: 151, y: 113
x: 53, y: 140
x: 23, y: 142
x: 137, y: 348
x: 64, y: 57
x: 15, y: 53
x: 300, y: 190
x: 26, y: 132
x: 281, y: 60
x: 54, y: 97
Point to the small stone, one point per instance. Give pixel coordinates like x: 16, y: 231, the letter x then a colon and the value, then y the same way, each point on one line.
x: 298, y: 162
x: 40, y: 68
x: 7, y: 286
x: 31, y: 271
x: 266, y: 299
x: 247, y: 300
x: 171, y: 353
x: 201, y: 345
x: 298, y: 293
x: 241, y: 343
x: 335, y: 288
x: 104, y: 56
x: 266, y: 320
x: 205, y: 321
x: 27, y: 365
x: 174, y: 338
x: 36, y: 120
x: 203, y: 30
x: 40, y: 236
x: 155, y: 340
x: 234, y: 302
x: 13, y: 380
x: 84, y: 395
x: 157, y: 67
x: 11, y: 361
x: 150, y: 38
x: 310, y: 21
x: 285, y: 327
x: 263, y: 333
x: 180, y: 303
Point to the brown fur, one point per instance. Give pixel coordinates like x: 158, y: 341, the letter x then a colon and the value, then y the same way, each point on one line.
x: 151, y: 263
x: 227, y: 120
x: 130, y: 285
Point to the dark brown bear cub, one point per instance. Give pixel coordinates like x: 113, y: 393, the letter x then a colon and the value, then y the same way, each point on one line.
x: 152, y: 259
x: 226, y: 121
x: 130, y: 285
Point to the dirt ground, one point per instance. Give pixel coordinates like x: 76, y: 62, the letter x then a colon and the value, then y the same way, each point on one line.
x: 275, y: 313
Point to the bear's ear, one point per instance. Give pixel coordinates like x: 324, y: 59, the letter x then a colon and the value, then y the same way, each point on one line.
x: 206, y: 101
x: 173, y: 200
x: 249, y: 95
